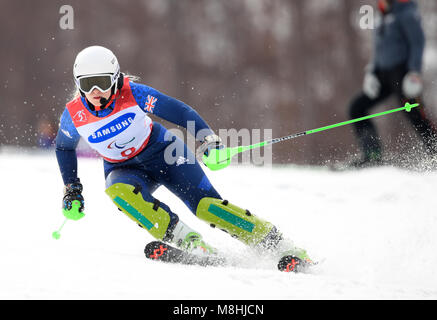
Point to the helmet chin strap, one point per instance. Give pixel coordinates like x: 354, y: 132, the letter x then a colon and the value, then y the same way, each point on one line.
x: 103, y: 102
x: 106, y: 102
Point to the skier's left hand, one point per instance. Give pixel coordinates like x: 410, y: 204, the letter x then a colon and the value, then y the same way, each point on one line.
x: 412, y: 85
x: 209, y: 142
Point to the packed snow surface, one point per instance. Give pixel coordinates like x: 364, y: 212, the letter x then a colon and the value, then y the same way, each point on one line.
x: 375, y: 231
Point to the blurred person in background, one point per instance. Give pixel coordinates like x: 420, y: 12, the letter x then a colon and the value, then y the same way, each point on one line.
x: 46, y: 134
x: 395, y: 69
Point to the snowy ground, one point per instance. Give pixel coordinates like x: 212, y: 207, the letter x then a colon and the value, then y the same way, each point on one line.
x: 376, y: 228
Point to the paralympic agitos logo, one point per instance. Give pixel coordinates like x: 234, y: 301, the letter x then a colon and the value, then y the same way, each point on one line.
x: 112, y: 129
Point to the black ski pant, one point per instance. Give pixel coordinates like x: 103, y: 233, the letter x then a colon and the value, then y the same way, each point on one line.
x: 391, y: 84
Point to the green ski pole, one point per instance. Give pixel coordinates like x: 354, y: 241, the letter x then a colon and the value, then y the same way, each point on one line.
x: 220, y: 158
x: 72, y: 214
x: 57, y: 234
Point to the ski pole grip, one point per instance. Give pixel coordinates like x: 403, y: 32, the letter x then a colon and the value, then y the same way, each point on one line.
x: 218, y: 158
x: 73, y: 213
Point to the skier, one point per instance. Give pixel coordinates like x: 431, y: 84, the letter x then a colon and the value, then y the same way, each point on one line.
x: 395, y: 69
x: 110, y: 113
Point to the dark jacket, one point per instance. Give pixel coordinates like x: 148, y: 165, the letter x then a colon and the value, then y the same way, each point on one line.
x: 399, y: 39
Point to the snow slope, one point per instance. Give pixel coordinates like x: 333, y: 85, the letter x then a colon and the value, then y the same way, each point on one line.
x: 376, y: 228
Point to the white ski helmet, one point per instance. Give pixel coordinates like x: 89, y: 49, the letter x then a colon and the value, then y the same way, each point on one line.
x: 91, y: 64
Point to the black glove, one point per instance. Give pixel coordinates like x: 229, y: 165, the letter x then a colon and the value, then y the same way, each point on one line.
x: 73, y: 191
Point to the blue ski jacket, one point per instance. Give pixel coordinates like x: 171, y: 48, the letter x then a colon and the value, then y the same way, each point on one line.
x: 399, y: 39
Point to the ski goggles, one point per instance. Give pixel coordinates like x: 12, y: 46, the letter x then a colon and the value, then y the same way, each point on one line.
x: 102, y: 82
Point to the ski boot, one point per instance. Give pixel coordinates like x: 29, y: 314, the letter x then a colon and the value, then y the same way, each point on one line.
x: 194, y: 243
x: 282, y: 249
x: 191, y: 241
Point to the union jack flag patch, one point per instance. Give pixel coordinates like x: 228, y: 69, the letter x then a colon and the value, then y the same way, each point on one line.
x: 150, y: 103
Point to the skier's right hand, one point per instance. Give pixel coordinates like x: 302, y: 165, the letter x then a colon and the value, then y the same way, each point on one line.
x: 72, y: 192
x: 371, y: 85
